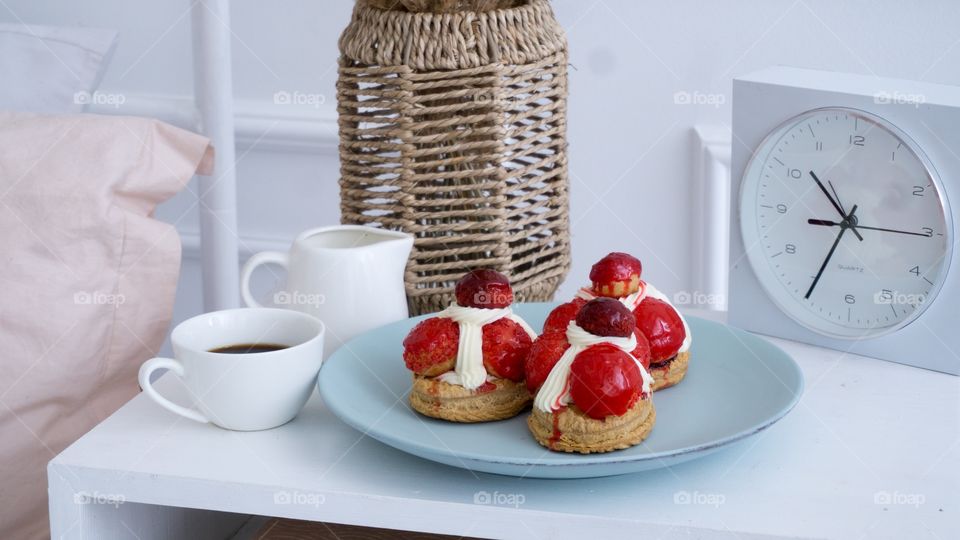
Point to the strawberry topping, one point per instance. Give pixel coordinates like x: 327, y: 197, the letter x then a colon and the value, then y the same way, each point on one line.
x: 662, y: 326
x: 484, y: 288
x: 560, y: 317
x: 616, y: 275
x: 505, y: 348
x: 642, y: 350
x: 605, y: 381
x: 544, y: 353
x: 431, y: 347
x: 606, y: 317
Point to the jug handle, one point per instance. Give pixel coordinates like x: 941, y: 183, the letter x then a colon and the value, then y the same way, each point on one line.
x: 264, y: 257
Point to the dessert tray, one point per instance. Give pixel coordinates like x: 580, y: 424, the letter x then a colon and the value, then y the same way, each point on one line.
x: 738, y: 385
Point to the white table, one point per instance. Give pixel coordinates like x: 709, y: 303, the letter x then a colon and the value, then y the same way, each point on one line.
x: 871, y: 451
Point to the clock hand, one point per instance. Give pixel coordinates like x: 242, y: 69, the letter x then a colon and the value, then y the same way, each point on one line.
x: 825, y: 222
x: 828, y: 223
x: 834, y: 201
x: 837, y: 197
x: 827, y: 193
x: 853, y: 226
x: 844, y: 225
x: 894, y: 231
x: 826, y: 261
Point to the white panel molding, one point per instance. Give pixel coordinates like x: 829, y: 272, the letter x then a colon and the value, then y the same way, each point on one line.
x: 711, y: 226
x: 258, y: 123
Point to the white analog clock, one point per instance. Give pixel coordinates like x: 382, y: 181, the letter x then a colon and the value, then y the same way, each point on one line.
x: 842, y: 228
x: 845, y: 223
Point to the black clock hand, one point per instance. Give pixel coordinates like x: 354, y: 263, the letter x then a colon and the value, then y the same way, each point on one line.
x: 828, y: 223
x: 834, y: 202
x: 827, y: 193
x: 844, y: 225
x: 894, y: 231
x: 853, y: 226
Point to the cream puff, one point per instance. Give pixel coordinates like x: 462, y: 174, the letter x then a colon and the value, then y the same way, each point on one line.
x: 617, y: 275
x: 468, y: 360
x: 669, y: 338
x: 592, y: 389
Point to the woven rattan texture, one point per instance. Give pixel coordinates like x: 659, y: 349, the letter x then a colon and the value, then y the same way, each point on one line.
x: 453, y: 128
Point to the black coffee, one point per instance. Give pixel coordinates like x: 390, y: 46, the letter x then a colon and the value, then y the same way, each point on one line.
x: 249, y: 348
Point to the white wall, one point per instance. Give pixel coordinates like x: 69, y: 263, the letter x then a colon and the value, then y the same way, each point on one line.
x: 630, y: 143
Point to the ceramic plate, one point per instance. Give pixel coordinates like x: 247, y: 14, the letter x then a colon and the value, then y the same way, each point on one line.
x: 737, y: 385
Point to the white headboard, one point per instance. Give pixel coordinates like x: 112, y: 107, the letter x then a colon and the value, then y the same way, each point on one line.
x: 213, y: 95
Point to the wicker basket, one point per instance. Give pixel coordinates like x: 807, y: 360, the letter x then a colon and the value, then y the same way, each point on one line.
x: 453, y: 128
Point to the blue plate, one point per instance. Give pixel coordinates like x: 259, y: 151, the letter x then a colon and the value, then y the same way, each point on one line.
x: 738, y: 384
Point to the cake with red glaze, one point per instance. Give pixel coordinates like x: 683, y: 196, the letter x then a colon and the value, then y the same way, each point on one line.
x: 618, y: 276
x: 591, y: 384
x: 468, y: 361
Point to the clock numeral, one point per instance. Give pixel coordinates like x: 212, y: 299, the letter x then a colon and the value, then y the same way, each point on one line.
x: 928, y: 231
x: 819, y: 145
x: 790, y: 249
x: 794, y: 173
x: 850, y: 299
x: 915, y: 271
x: 857, y: 140
x: 885, y: 296
x: 918, y: 191
x: 781, y: 208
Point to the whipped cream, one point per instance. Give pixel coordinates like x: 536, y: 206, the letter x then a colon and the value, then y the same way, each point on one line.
x: 555, y: 392
x: 469, y: 371
x: 451, y: 377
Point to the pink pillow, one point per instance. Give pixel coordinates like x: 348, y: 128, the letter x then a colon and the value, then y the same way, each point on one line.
x: 87, y: 283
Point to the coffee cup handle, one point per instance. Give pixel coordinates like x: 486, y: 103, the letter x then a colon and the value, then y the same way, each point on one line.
x: 264, y: 257
x: 154, y: 364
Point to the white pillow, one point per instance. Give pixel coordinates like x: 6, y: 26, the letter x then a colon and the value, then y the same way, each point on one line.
x: 47, y: 69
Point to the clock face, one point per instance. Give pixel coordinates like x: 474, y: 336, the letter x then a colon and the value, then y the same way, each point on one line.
x: 844, y: 223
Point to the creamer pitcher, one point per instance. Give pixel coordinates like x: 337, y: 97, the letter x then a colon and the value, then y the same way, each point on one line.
x: 348, y: 276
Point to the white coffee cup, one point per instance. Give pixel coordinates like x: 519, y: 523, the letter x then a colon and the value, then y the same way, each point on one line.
x: 242, y: 391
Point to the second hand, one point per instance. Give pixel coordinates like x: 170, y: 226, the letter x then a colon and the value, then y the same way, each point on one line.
x: 828, y: 223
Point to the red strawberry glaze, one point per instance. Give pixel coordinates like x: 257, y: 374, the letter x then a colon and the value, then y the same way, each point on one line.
x: 615, y: 272
x: 431, y: 347
x: 662, y: 326
x: 606, y: 317
x: 505, y: 348
x: 485, y: 388
x: 558, y: 319
x: 544, y: 353
x: 605, y: 381
x: 642, y: 351
x: 484, y: 288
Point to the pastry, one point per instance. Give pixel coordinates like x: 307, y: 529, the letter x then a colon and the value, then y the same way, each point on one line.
x: 669, y: 338
x: 468, y: 360
x: 592, y: 389
x: 617, y: 275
